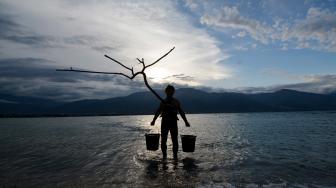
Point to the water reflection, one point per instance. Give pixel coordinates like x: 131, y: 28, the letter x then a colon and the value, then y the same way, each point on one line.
x: 152, y: 169
x: 189, y: 165
x: 171, y: 171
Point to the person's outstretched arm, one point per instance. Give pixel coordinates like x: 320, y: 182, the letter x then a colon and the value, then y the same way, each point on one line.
x: 182, y: 114
x: 157, y: 113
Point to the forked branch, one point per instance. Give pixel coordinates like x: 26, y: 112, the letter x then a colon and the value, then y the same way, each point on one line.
x: 132, y: 76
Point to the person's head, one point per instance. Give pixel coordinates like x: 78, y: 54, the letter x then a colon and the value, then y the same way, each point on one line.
x: 170, y: 90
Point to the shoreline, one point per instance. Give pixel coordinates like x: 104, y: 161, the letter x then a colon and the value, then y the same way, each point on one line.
x: 139, y: 114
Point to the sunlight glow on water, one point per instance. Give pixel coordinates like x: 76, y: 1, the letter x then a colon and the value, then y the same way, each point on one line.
x: 248, y: 149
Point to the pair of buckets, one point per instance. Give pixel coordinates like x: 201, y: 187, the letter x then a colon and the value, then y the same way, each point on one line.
x: 188, y: 142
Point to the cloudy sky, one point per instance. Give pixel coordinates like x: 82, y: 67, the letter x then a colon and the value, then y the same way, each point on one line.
x: 248, y: 46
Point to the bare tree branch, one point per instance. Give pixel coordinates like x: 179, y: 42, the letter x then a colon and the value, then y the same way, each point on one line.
x: 150, y: 88
x: 94, y: 72
x: 161, y: 57
x: 118, y: 62
x: 142, y: 61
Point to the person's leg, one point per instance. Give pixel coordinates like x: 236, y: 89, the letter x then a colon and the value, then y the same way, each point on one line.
x: 164, y: 135
x: 174, y: 137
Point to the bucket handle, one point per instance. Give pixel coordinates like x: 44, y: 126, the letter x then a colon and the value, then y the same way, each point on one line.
x: 191, y: 131
x: 154, y: 129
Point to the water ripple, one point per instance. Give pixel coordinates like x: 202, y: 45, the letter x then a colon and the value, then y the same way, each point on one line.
x: 232, y: 150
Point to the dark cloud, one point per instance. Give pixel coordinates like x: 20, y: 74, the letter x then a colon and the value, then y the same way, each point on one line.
x: 80, y: 40
x: 42, y: 69
x: 29, y: 68
x: 315, y: 84
x: 181, y: 77
x: 103, y: 48
x: 33, y: 40
x: 185, y: 78
x: 39, y: 78
x: 11, y: 30
x: 89, y: 41
x: 7, y: 25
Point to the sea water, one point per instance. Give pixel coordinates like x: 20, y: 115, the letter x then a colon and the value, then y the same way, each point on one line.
x: 296, y: 149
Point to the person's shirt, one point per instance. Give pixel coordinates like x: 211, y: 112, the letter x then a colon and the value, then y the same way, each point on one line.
x: 169, y: 109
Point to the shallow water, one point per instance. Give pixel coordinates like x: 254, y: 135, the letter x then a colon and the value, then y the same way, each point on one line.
x: 296, y: 149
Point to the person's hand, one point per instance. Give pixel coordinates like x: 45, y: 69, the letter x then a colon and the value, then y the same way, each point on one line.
x: 187, y: 124
x: 152, y: 123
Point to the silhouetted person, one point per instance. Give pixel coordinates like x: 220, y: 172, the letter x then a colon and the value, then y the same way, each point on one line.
x: 168, y: 110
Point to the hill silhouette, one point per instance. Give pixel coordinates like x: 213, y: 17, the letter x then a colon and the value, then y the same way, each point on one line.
x: 193, y: 100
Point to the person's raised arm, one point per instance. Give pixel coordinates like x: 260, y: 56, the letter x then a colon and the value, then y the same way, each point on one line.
x: 182, y: 114
x: 157, y: 113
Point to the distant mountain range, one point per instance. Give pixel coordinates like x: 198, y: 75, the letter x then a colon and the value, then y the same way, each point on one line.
x: 193, y: 101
